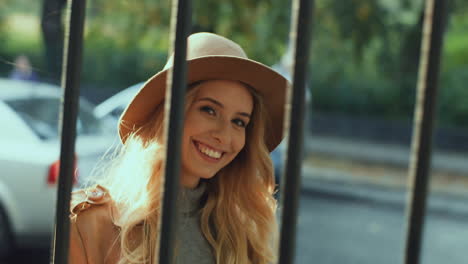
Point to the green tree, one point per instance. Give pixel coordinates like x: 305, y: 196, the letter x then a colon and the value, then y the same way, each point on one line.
x: 131, y: 39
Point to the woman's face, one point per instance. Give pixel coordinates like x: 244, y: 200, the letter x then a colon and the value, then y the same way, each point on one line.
x: 214, y: 129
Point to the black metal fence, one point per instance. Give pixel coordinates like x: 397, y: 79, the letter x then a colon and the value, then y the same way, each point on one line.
x: 300, y: 35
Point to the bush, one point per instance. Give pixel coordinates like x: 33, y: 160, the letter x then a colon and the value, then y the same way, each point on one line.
x: 113, y: 66
x: 453, y: 98
x: 388, y: 99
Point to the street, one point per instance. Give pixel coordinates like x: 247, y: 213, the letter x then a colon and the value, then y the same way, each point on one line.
x: 332, y: 230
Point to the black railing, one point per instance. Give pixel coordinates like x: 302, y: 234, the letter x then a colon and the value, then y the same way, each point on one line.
x: 294, y: 123
x: 300, y: 36
x: 421, y: 150
x: 71, y: 84
x: 175, y: 98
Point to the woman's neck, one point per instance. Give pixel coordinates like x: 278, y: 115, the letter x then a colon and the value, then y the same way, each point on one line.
x: 189, y: 181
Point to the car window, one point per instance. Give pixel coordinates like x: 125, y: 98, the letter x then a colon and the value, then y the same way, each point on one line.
x: 117, y: 111
x: 42, y: 115
x: 16, y: 128
x: 87, y: 122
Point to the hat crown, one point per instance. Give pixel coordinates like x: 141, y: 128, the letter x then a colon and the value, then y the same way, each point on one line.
x: 208, y: 44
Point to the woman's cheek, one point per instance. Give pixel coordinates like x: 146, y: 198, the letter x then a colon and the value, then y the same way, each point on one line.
x: 241, y: 144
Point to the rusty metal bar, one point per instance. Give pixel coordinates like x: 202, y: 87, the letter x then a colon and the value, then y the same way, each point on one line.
x: 300, y: 36
x: 424, y: 114
x: 70, y: 82
x: 175, y: 100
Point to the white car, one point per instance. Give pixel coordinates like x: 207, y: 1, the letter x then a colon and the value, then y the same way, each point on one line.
x: 29, y: 155
x: 115, y: 105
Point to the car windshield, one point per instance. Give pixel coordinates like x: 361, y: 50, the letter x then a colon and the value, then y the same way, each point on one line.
x: 42, y: 115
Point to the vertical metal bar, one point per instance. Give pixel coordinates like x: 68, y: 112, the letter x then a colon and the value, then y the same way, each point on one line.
x: 174, y: 105
x: 300, y: 40
x: 70, y: 83
x: 423, y: 126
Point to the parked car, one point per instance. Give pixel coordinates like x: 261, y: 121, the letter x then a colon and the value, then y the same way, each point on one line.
x: 29, y: 156
x: 115, y: 105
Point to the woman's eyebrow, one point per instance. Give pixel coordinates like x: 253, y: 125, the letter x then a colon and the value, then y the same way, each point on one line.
x: 221, y: 105
x: 211, y: 100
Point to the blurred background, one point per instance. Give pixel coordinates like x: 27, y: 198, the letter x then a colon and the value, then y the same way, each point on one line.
x: 362, y: 83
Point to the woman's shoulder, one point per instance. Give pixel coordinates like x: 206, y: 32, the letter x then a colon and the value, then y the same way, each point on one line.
x: 92, y: 208
x: 90, y: 202
x: 92, y: 229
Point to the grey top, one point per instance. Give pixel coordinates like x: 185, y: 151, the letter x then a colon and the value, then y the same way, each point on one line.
x: 191, y: 247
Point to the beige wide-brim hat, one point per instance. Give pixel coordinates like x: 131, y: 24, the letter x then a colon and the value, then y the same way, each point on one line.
x: 212, y: 57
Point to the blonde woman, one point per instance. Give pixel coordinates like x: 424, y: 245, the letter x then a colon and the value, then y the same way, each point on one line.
x: 233, y: 119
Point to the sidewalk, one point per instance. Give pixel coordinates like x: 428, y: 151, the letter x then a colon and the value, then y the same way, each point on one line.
x: 393, y: 155
x: 363, y: 171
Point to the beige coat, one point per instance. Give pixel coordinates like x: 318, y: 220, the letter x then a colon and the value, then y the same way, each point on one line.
x: 94, y: 238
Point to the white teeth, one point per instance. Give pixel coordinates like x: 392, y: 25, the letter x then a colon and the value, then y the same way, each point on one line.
x: 209, y: 152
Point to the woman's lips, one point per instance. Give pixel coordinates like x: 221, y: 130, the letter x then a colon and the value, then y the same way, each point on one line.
x: 201, y: 148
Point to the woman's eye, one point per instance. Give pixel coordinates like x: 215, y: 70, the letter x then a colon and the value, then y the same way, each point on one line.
x: 239, y: 122
x: 208, y: 110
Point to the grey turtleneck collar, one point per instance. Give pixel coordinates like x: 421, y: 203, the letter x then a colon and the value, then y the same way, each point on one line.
x: 189, y: 199
x: 192, y: 246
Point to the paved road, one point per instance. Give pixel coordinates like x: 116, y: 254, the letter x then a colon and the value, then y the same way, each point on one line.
x: 334, y: 231
x: 340, y: 231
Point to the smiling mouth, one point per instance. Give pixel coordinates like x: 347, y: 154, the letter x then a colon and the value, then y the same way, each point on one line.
x: 208, y: 152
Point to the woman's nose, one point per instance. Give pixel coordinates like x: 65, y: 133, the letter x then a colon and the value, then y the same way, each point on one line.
x: 221, y: 133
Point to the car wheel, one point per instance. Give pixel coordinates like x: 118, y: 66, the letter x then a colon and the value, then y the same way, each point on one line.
x: 6, y: 245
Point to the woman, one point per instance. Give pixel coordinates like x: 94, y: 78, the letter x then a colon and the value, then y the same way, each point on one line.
x: 233, y: 119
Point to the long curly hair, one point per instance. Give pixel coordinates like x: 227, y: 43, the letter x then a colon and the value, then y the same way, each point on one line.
x: 237, y: 217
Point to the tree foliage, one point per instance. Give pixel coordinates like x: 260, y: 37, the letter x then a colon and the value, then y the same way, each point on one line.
x: 259, y: 26
x: 364, y: 60
x: 134, y: 35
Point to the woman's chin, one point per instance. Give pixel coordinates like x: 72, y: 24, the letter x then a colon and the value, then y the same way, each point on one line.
x: 189, y: 179
x: 207, y: 176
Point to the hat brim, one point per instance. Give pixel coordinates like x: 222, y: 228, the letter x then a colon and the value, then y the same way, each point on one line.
x: 270, y: 84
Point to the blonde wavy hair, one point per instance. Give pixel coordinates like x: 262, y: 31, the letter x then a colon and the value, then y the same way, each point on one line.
x: 238, y: 215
